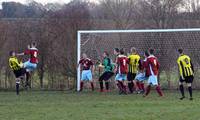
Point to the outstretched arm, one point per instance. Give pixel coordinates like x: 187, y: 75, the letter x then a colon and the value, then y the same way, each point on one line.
x: 20, y: 54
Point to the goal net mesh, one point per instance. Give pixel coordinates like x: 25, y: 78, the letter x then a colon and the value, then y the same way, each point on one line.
x: 164, y: 43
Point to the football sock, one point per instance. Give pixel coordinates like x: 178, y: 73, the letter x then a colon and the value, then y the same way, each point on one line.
x: 138, y: 85
x: 123, y: 86
x: 182, y: 90
x: 82, y: 84
x: 130, y: 86
x: 101, y: 85
x: 92, y: 86
x: 190, y: 91
x: 148, y: 89
x: 119, y: 85
x: 17, y: 88
x: 107, y: 85
x: 142, y: 86
x: 159, y: 90
x: 27, y: 79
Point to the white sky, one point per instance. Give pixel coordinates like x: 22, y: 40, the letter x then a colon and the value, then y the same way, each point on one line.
x: 40, y: 1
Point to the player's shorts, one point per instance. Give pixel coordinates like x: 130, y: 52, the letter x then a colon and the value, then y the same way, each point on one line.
x: 131, y: 76
x: 106, y: 76
x: 86, y: 75
x: 20, y: 72
x: 141, y: 77
x: 188, y: 79
x: 121, y: 77
x: 153, y: 80
x: 30, y: 66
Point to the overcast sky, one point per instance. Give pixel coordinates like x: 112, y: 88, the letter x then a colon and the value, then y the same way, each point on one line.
x: 41, y: 1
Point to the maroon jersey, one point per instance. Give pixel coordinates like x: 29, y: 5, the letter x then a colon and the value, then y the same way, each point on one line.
x: 85, y: 64
x: 33, y: 52
x: 142, y: 64
x: 122, y: 62
x: 152, y: 66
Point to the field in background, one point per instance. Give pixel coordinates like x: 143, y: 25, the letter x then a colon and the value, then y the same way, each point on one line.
x: 44, y: 105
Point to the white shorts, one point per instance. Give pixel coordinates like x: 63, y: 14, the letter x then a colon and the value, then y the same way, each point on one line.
x: 153, y: 80
x: 121, y: 77
x: 86, y: 75
x: 141, y: 77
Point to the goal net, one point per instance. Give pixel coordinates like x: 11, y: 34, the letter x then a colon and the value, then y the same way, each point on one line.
x: 164, y: 41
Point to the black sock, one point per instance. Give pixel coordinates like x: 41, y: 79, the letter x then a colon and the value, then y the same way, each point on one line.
x: 130, y: 86
x: 190, y: 91
x: 17, y: 88
x: 107, y: 85
x: 101, y: 85
x: 182, y: 90
x: 27, y: 79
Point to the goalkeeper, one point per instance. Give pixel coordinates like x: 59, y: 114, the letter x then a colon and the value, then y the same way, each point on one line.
x: 17, y: 68
x: 108, y: 72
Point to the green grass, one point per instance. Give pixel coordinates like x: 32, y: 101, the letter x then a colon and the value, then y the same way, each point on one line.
x: 43, y: 105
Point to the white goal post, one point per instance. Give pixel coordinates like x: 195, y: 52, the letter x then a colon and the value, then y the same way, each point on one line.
x: 80, y: 32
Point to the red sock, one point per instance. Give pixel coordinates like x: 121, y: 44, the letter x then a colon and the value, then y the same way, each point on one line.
x: 148, y: 89
x: 124, y: 88
x: 159, y: 90
x: 142, y: 86
x: 82, y: 83
x: 119, y: 86
x: 138, y: 85
x: 92, y: 86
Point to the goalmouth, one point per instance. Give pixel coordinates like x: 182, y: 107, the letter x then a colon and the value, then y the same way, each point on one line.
x: 81, y: 32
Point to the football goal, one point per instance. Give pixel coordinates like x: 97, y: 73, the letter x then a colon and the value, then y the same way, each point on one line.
x: 164, y: 41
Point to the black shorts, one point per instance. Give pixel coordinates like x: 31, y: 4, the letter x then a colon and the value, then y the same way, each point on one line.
x: 188, y: 79
x: 131, y: 76
x: 20, y: 72
x: 106, y: 76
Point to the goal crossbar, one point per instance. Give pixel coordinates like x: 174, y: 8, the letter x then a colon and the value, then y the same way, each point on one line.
x: 79, y: 32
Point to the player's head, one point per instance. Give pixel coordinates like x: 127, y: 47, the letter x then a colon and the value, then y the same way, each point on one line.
x: 33, y: 44
x: 180, y: 51
x: 133, y: 50
x: 122, y: 51
x: 84, y: 55
x: 146, y: 54
x: 151, y: 51
x: 12, y: 53
x: 116, y: 51
x: 105, y: 54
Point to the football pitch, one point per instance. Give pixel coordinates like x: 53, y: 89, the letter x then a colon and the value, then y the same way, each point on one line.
x: 57, y: 105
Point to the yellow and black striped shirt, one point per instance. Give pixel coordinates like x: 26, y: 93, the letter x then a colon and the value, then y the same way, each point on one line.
x: 15, y: 64
x: 133, y: 63
x: 185, y: 66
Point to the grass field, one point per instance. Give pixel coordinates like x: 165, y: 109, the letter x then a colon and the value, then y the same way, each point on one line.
x: 43, y: 105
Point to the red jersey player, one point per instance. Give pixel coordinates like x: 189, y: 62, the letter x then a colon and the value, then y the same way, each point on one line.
x: 141, y: 76
x: 86, y: 66
x: 152, y: 70
x: 122, y: 70
x: 32, y: 51
x: 31, y: 64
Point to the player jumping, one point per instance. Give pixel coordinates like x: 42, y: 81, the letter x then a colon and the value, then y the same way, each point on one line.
x: 87, y: 68
x: 152, y: 70
x: 31, y: 64
x: 186, y: 71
